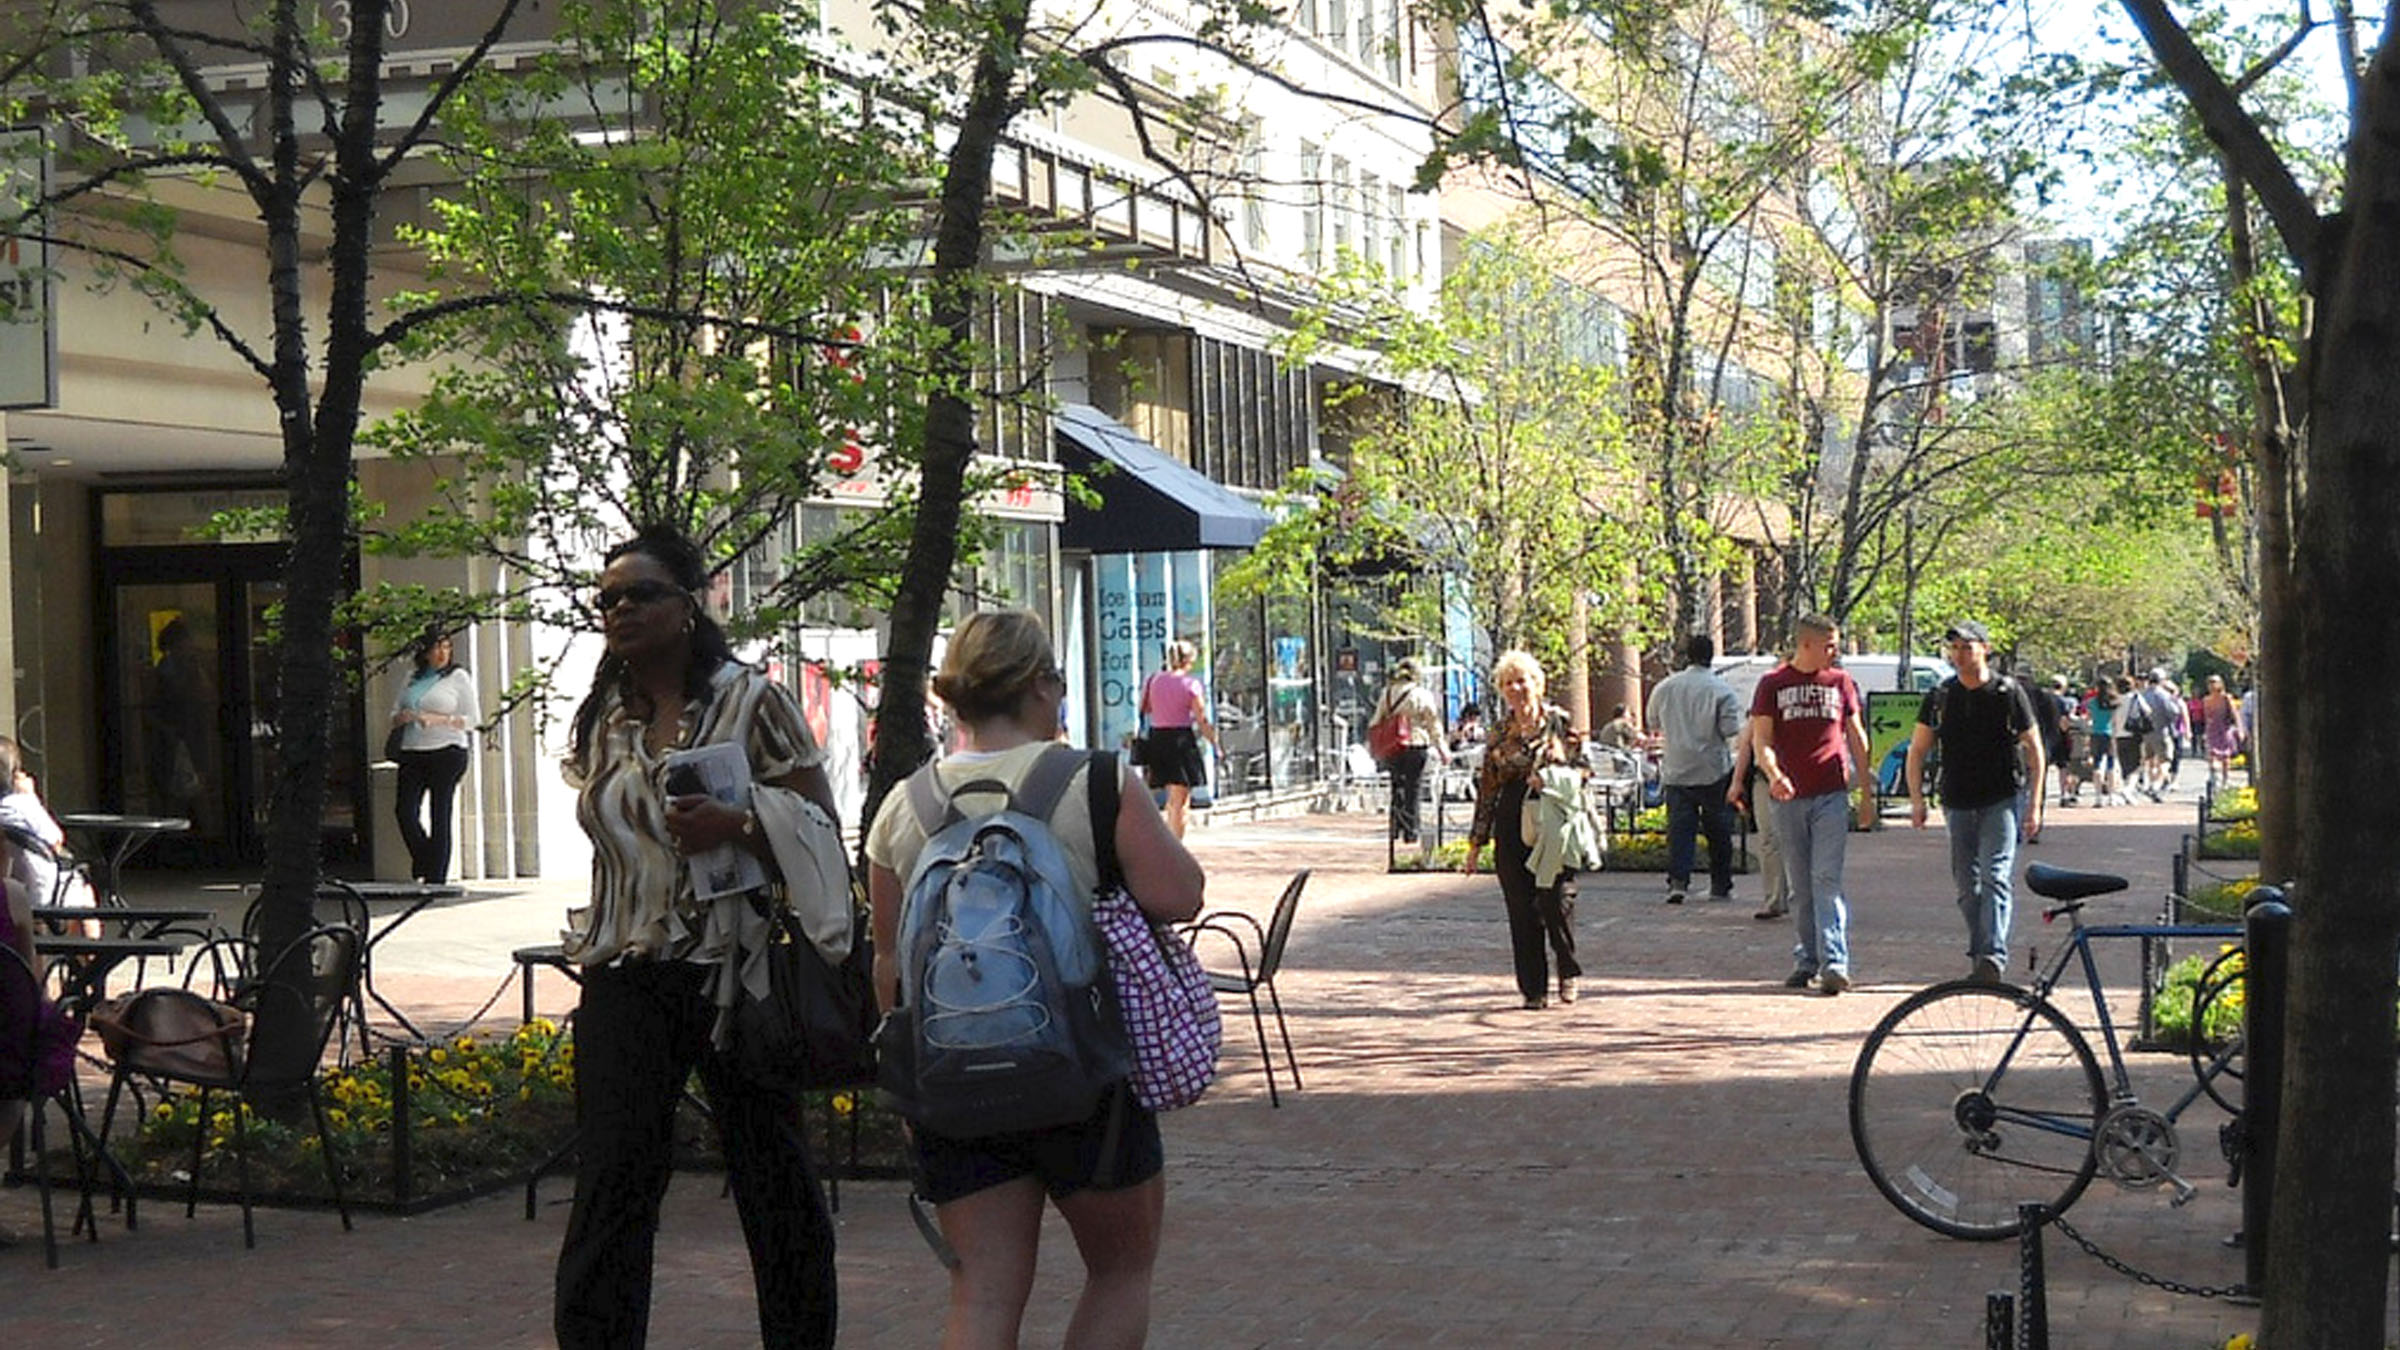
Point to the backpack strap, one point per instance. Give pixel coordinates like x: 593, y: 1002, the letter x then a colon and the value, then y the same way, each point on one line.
x: 926, y: 798
x: 1103, y: 785
x: 1046, y: 782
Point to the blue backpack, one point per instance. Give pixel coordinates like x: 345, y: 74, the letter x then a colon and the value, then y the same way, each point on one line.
x: 1007, y: 1018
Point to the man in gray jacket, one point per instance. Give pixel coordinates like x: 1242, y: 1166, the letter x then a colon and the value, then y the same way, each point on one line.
x: 1697, y: 715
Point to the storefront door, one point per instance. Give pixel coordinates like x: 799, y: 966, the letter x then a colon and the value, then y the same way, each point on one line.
x: 189, y: 726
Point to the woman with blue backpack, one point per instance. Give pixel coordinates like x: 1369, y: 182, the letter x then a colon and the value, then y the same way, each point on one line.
x: 1104, y: 1167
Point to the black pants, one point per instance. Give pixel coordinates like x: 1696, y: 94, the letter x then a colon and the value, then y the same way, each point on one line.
x: 639, y: 1031
x: 425, y: 773
x: 1536, y: 914
x: 1408, y: 778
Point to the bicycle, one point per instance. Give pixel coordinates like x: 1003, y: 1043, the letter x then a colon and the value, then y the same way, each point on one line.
x: 1971, y: 1099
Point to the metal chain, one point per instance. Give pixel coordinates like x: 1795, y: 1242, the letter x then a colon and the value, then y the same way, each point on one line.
x: 2233, y: 1292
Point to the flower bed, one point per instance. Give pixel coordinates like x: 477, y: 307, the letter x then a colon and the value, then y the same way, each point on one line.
x: 2225, y: 900
x: 423, y: 1127
x: 2238, y: 840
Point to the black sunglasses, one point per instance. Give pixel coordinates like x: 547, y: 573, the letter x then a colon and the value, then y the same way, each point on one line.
x: 639, y: 592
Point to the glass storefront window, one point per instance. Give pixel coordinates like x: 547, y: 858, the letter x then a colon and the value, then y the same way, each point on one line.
x: 1239, y: 685
x: 1291, y: 692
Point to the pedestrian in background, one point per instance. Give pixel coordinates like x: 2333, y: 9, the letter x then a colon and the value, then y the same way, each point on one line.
x: 1748, y: 791
x: 1175, y: 706
x: 1420, y: 739
x: 2222, y: 727
x: 2102, y: 709
x: 1809, y: 733
x: 1531, y: 735
x: 1991, y: 743
x: 1696, y: 716
x: 434, y: 717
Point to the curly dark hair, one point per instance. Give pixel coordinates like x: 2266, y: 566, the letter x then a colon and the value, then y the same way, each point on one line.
x: 674, y: 550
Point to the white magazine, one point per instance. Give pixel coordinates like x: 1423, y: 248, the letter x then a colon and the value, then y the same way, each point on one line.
x: 723, y: 772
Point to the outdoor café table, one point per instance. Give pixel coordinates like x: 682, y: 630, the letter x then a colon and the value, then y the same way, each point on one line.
x: 119, y: 838
x: 81, y: 965
x: 418, y: 895
x: 136, y: 921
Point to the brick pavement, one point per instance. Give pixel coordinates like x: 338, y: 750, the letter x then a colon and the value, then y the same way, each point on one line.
x: 1665, y: 1163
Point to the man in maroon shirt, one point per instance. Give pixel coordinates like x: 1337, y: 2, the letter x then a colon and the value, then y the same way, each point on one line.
x: 1811, y: 736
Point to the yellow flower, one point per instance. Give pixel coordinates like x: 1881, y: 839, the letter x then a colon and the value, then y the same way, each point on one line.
x: 438, y: 1055
x: 844, y: 1103
x: 2240, y: 1341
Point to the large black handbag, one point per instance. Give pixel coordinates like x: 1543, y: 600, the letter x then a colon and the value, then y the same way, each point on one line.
x: 812, y: 1031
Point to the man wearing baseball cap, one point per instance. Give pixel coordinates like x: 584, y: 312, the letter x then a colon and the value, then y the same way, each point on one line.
x: 1991, y: 746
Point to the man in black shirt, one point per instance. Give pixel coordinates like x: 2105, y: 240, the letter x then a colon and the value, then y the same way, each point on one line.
x: 1991, y: 744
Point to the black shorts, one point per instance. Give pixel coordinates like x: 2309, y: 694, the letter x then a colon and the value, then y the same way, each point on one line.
x: 1172, y: 755
x: 1066, y: 1158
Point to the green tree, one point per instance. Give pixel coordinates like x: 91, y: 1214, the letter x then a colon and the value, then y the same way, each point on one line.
x: 308, y: 152
x: 2327, y: 1237
x: 1905, y: 223
x: 683, y: 307
x: 1506, y: 466
x: 1670, y: 135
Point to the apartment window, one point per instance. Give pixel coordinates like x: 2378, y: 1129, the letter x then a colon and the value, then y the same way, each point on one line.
x: 1345, y: 207
x: 1396, y: 208
x: 1254, y: 177
x: 1312, y: 205
x: 1370, y: 219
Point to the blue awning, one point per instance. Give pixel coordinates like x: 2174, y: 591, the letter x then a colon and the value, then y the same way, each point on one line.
x: 1149, y: 501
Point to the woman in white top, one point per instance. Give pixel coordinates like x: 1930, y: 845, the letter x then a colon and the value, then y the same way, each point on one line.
x: 1106, y: 1173
x: 435, y: 712
x: 1420, y: 738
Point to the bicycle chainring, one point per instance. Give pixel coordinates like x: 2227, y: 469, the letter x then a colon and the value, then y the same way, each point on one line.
x: 2136, y: 1147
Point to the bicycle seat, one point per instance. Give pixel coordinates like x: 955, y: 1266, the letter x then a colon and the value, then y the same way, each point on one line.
x: 2059, y: 883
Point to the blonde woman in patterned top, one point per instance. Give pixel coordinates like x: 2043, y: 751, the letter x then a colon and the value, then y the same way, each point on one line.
x: 659, y: 966
x: 1530, y: 735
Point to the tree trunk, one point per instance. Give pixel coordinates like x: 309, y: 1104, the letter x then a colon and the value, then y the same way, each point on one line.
x: 2272, y: 497
x: 901, y: 743
x: 319, y: 446
x: 2328, y: 1235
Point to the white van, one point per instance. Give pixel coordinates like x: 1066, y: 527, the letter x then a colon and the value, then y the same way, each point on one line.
x: 1874, y: 672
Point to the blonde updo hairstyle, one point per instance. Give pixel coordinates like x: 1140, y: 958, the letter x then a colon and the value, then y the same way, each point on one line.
x: 1181, y: 653
x: 993, y: 659
x: 1517, y: 660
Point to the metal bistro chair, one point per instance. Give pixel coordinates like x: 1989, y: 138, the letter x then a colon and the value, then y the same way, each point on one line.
x: 1267, y: 941
x: 316, y: 977
x: 20, y: 1080
x: 232, y: 960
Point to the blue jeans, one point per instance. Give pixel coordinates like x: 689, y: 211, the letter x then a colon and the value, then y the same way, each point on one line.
x: 1983, y: 852
x: 1813, y: 833
x: 1695, y: 810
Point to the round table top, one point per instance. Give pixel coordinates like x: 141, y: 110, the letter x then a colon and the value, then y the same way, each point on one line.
x: 107, y: 820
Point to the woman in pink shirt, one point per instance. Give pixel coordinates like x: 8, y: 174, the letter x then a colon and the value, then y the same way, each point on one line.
x: 1175, y: 706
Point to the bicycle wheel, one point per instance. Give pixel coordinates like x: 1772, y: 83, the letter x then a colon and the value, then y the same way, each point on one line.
x: 1969, y: 1100
x: 2217, y: 1028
